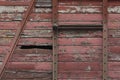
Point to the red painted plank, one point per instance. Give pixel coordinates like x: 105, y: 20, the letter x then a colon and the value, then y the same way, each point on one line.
x: 83, y: 57
x: 114, y: 17
x: 62, y: 17
x: 80, y: 49
x: 80, y: 41
x: 27, y: 33
x: 82, y: 74
x: 28, y: 66
x: 83, y: 66
x: 32, y: 55
x: 29, y: 75
x: 114, y: 33
x: 80, y: 17
x: 30, y: 25
x: 81, y: 33
x: 114, y: 25
x: 114, y: 66
x: 47, y: 17
x: 114, y: 74
x: 114, y: 53
x: 114, y: 49
x: 114, y: 41
x: 27, y: 41
x: 80, y: 23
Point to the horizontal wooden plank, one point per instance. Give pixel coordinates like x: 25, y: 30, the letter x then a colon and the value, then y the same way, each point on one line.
x: 114, y: 49
x: 114, y: 33
x: 80, y: 41
x: 32, y: 55
x: 81, y: 33
x: 114, y: 53
x: 113, y: 25
x: 63, y: 66
x: 29, y: 25
x: 80, y: 49
x: 77, y: 75
x: 27, y: 41
x: 62, y: 17
x: 83, y: 66
x: 114, y: 41
x: 30, y: 66
x: 114, y: 66
x: 28, y: 55
x: 29, y: 75
x: 114, y: 75
x: 61, y: 9
x: 83, y: 57
x: 27, y: 33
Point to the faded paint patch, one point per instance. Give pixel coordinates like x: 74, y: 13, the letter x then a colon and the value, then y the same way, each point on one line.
x: 115, y: 9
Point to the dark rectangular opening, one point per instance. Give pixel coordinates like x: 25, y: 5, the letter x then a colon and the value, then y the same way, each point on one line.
x: 35, y: 47
x: 94, y: 26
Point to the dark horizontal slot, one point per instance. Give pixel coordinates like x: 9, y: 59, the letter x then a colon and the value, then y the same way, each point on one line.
x: 100, y: 26
x: 35, y: 47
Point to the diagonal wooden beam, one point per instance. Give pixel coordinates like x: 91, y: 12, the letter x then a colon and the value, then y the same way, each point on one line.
x: 17, y: 37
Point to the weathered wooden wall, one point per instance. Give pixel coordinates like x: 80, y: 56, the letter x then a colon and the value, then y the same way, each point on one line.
x: 80, y: 51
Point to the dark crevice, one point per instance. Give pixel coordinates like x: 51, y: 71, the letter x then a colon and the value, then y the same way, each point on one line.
x: 35, y: 47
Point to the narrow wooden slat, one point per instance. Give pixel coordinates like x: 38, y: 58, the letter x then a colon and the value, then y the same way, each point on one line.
x: 29, y: 25
x: 80, y: 49
x: 83, y: 57
x: 26, y: 33
x: 82, y: 74
x: 83, y: 66
x: 80, y: 41
x: 114, y: 33
x: 81, y: 33
x: 27, y: 41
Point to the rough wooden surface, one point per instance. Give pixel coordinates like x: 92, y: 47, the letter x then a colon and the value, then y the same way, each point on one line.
x: 79, y: 51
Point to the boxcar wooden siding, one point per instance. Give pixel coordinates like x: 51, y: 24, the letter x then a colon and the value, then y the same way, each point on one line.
x: 79, y: 51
